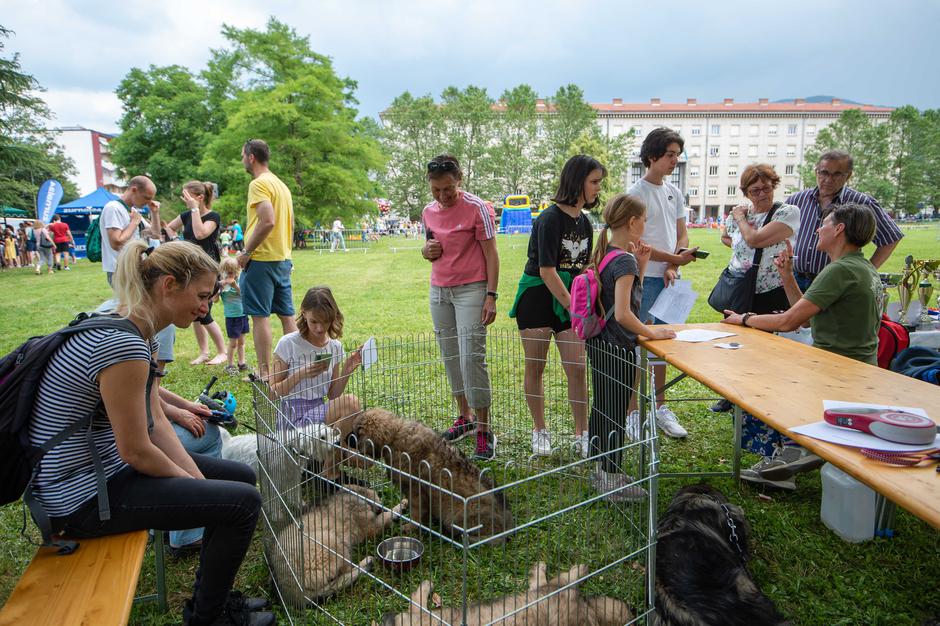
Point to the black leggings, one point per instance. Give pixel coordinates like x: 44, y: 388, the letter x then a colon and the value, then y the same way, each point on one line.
x: 227, y: 503
x: 612, y: 376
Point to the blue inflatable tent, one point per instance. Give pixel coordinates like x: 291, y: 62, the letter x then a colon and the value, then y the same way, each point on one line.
x: 516, y: 221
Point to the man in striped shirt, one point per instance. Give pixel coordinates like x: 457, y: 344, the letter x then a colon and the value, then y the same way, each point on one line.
x: 832, y: 173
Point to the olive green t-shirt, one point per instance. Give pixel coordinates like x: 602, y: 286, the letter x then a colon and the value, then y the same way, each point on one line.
x: 848, y: 291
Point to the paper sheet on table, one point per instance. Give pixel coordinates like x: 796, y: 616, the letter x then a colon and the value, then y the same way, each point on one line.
x: 370, y: 353
x: 674, y: 303
x: 857, y: 439
x: 696, y: 335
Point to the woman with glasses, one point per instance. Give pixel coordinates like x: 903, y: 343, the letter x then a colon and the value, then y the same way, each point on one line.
x: 461, y: 246
x: 748, y: 229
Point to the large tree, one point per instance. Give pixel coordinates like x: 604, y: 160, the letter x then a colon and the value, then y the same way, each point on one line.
x: 569, y: 116
x: 512, y: 159
x: 907, y: 134
x: 29, y: 153
x: 165, y: 127
x: 469, y: 133
x: 290, y: 96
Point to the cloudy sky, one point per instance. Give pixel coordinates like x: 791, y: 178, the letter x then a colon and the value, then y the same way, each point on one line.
x: 872, y: 52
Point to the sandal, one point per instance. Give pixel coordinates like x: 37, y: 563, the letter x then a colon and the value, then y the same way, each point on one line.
x: 218, y: 359
x: 199, y: 360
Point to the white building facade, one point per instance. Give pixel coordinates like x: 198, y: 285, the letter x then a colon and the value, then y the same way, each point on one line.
x: 721, y: 139
x: 90, y: 151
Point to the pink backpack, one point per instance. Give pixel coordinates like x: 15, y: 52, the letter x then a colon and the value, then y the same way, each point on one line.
x: 584, y: 302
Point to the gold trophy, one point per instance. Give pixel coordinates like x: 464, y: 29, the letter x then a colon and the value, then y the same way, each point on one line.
x: 887, y: 281
x: 906, y: 287
x: 924, y: 291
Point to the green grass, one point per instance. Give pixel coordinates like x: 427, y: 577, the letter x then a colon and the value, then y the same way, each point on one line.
x: 812, y: 575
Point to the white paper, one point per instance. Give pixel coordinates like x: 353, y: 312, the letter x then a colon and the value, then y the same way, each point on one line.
x: 696, y: 335
x: 674, y: 303
x: 825, y: 431
x: 370, y: 353
x: 728, y: 346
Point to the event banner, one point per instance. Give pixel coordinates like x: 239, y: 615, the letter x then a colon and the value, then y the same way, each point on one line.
x: 47, y: 200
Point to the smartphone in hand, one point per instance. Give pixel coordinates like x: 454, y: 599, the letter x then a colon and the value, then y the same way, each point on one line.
x: 698, y: 254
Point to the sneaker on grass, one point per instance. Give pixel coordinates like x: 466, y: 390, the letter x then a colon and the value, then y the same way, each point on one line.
x: 486, y: 446
x: 617, y: 487
x: 722, y: 406
x: 460, y: 429
x: 787, y: 462
x: 541, y: 442
x: 669, y: 423
x: 581, y: 444
x: 754, y: 477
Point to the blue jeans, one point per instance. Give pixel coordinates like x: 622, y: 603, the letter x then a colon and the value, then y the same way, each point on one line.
x: 227, y: 503
x: 652, y: 287
x: 209, y: 444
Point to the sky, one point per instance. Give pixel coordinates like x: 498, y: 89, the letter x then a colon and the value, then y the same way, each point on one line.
x: 866, y: 51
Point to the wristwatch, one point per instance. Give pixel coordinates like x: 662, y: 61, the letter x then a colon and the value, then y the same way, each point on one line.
x: 492, y: 294
x: 745, y: 318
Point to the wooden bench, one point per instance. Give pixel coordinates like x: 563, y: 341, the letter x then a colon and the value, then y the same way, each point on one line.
x: 95, y: 585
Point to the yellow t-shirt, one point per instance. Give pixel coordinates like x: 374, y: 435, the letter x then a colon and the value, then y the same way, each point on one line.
x: 277, y: 245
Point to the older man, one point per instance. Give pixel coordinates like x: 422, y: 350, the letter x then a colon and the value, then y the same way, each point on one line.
x: 833, y: 171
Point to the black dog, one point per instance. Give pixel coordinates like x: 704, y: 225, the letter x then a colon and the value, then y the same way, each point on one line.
x: 701, y: 569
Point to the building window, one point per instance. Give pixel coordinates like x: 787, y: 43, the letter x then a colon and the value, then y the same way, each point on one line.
x: 733, y: 151
x: 735, y: 130
x: 752, y: 151
x: 693, y: 191
x: 732, y: 190
x: 733, y: 170
x: 713, y: 151
x: 716, y: 130
x: 713, y: 170
x: 791, y: 170
x: 636, y: 172
x: 772, y: 130
x: 694, y: 151
x: 771, y: 151
x: 791, y: 130
x: 712, y: 191
x: 676, y: 178
x: 693, y: 172
x: 754, y: 130
x: 791, y: 151
x: 811, y: 129
x: 696, y: 131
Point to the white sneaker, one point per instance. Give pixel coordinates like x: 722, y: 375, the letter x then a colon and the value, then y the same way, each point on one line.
x: 669, y: 423
x: 582, y: 444
x: 619, y: 484
x: 633, y: 425
x: 541, y: 442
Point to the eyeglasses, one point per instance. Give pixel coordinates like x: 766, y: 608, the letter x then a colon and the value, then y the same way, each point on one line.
x: 832, y: 175
x: 444, y: 167
x: 759, y: 191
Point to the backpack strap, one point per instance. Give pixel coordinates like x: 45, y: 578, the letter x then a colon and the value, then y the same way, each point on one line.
x: 610, y: 256
x: 80, y: 324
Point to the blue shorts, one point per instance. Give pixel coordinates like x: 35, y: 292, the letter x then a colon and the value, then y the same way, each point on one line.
x: 265, y: 287
x: 652, y: 287
x: 235, y: 327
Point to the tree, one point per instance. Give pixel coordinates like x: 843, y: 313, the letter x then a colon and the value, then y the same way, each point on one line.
x: 931, y: 152
x: 613, y: 154
x: 291, y: 97
x: 165, y: 127
x: 867, y: 142
x: 568, y: 117
x: 511, y: 159
x: 411, y: 136
x: 908, y: 137
x: 469, y: 133
x: 29, y: 153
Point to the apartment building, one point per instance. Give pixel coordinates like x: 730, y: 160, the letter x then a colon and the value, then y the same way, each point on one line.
x: 90, y: 151
x: 722, y: 138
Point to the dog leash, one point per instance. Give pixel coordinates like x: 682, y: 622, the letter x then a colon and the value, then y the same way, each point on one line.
x: 906, y: 459
x: 732, y: 529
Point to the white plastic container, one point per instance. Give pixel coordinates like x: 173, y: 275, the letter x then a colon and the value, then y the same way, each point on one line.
x: 848, y: 506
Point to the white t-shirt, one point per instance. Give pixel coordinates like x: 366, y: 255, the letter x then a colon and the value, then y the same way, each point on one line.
x: 742, y: 255
x: 337, y: 226
x: 664, y: 206
x: 114, y: 215
x: 298, y: 352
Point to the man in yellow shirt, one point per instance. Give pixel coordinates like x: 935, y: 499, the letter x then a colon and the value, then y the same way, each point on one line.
x: 265, y: 258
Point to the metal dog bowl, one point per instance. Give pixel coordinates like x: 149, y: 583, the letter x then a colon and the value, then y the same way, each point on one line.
x: 400, y: 554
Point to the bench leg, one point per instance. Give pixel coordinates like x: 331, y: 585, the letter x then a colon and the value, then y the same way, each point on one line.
x: 159, y: 566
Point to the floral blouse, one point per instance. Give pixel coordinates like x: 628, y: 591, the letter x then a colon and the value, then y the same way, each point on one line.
x: 742, y: 255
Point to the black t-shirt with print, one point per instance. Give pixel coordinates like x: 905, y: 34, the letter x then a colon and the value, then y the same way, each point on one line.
x: 560, y: 241
x: 211, y: 243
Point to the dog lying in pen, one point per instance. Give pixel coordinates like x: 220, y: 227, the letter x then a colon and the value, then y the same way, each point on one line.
x: 567, y: 608
x: 314, y: 442
x: 421, y: 455
x: 701, y: 569
x: 331, y: 532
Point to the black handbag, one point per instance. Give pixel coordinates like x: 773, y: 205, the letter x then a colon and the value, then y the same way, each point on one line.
x: 736, y: 293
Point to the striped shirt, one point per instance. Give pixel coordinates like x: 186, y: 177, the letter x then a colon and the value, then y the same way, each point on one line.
x: 67, y: 392
x: 810, y: 260
x: 460, y: 229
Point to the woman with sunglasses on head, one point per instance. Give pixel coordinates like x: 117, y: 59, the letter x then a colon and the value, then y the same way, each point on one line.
x: 461, y: 246
x: 559, y: 249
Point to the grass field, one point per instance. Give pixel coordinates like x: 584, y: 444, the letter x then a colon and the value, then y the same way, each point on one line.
x: 812, y: 575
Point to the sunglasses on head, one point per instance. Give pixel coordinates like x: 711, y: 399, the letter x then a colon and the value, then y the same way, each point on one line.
x: 443, y: 166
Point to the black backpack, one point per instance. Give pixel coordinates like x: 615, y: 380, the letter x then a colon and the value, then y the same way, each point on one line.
x: 21, y: 371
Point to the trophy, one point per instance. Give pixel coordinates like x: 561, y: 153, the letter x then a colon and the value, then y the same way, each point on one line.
x: 906, y: 287
x: 924, y: 291
x: 887, y: 281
